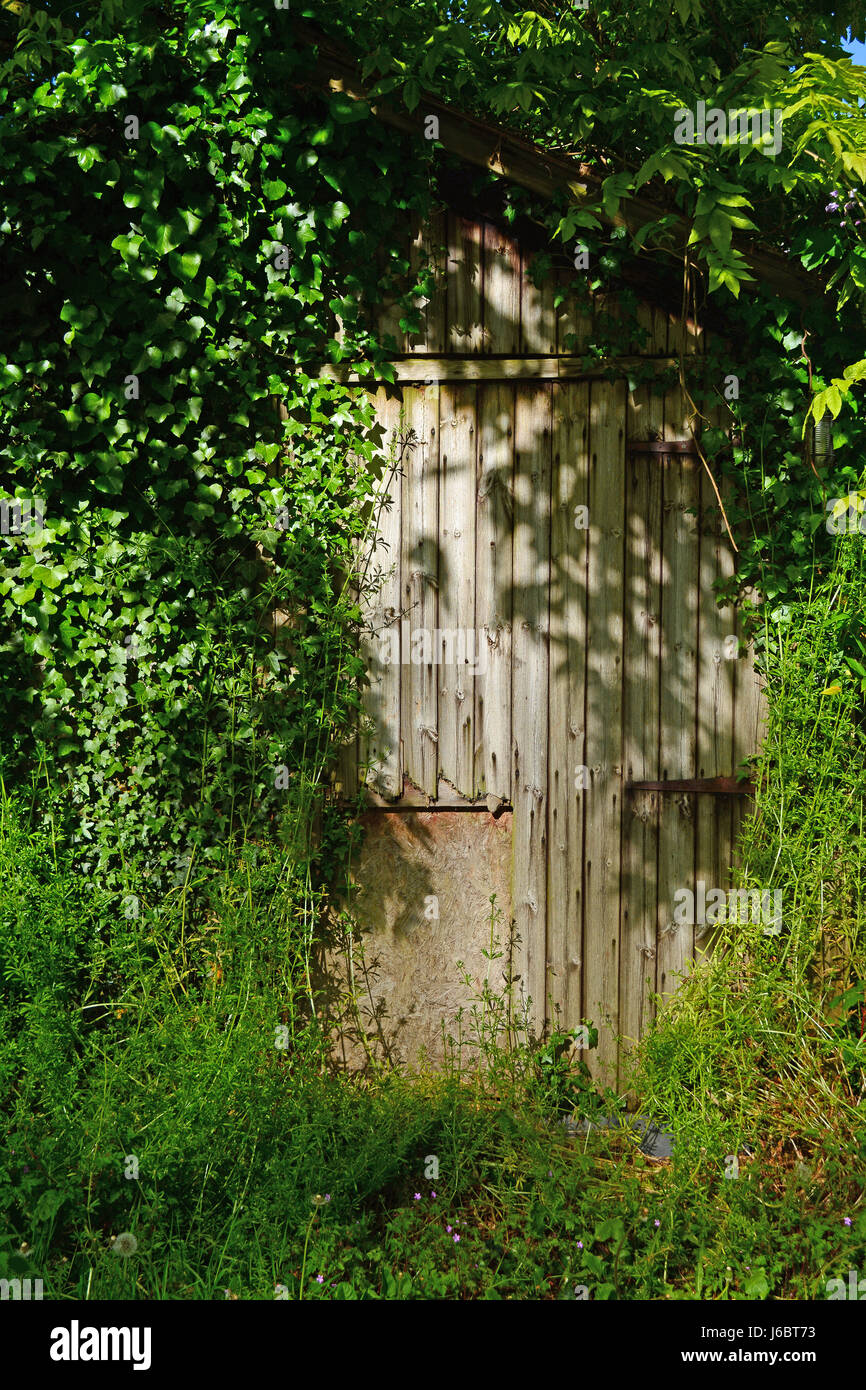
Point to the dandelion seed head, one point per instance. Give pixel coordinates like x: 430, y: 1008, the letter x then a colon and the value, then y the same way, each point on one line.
x: 125, y: 1244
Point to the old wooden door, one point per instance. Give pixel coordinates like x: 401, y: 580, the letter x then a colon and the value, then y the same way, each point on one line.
x: 545, y: 632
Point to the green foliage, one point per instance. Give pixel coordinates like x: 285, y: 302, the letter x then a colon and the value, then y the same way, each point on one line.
x: 175, y: 250
x: 262, y: 1174
x: 562, y: 1083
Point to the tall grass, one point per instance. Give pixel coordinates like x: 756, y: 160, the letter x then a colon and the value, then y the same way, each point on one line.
x: 765, y: 1045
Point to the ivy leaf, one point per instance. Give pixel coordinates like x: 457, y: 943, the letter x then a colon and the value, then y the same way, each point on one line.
x: 88, y: 157
x: 186, y: 265
x: 336, y: 216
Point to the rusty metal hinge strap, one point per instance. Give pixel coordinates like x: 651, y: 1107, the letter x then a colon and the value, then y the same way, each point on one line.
x: 662, y: 446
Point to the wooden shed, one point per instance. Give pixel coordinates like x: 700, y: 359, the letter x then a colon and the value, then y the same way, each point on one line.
x: 557, y: 707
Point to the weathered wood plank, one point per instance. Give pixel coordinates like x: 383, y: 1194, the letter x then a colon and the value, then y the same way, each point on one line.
x: 604, y: 748
x: 567, y: 758
x: 750, y: 713
x: 457, y: 654
x: 685, y: 335
x: 464, y: 329
x: 537, y: 311
x: 573, y: 315
x: 493, y: 599
x: 388, y: 313
x: 531, y: 569
x: 429, y: 246
x: 641, y: 695
x: 446, y: 799
x: 717, y: 664
x: 420, y: 580
x: 501, y: 280
x: 677, y: 744
x: 380, y: 749
x: 422, y: 369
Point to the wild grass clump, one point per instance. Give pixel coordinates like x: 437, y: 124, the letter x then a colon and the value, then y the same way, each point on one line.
x: 766, y: 1044
x: 174, y: 1127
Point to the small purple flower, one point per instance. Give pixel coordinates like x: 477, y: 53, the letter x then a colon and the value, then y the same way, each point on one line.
x: 456, y: 1238
x: 657, y: 1223
x: 432, y: 1194
x: 417, y: 1196
x: 580, y: 1245
x: 832, y: 207
x: 847, y: 1220
x: 320, y: 1278
x: 449, y: 1229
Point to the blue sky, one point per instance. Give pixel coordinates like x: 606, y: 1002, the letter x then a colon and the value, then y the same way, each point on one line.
x: 857, y: 51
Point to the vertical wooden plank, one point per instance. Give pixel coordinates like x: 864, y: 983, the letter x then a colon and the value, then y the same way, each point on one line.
x: 457, y: 640
x: 567, y: 735
x: 604, y: 748
x: 750, y: 713
x: 717, y: 664
x: 501, y: 280
x: 493, y: 601
x: 532, y: 442
x: 347, y: 769
x: 537, y: 312
x: 465, y: 325
x: 420, y: 579
x: 429, y: 245
x: 380, y: 747
x: 677, y: 743
x: 641, y: 695
x: 388, y: 313
x: 573, y: 313
x: 685, y: 335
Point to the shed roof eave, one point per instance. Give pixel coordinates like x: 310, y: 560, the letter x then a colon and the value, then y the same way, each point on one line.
x: 517, y: 160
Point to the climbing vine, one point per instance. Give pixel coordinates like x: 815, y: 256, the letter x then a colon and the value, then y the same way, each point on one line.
x: 194, y: 222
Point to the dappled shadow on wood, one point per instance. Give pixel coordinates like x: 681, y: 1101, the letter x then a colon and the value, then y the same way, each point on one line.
x: 584, y: 572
